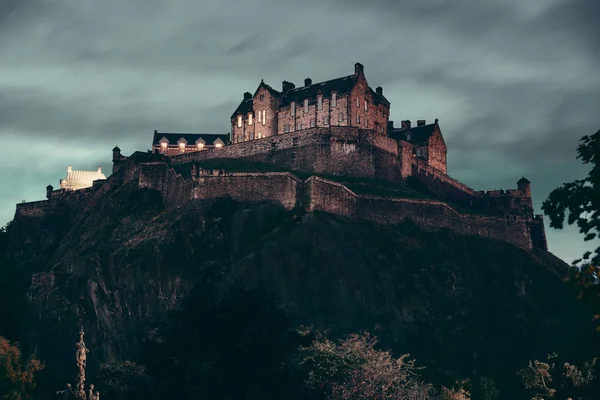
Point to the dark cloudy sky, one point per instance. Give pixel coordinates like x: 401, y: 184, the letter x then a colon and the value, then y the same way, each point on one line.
x: 515, y: 84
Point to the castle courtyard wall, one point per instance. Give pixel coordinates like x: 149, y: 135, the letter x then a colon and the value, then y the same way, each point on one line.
x: 283, y: 187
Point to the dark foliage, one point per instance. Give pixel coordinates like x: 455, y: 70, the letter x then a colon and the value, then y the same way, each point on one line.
x: 233, y: 345
x: 581, y: 198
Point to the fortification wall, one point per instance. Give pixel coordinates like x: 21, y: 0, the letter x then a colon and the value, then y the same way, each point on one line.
x: 438, y: 183
x: 502, y: 202
x: 335, y: 198
x: 281, y: 187
x: 332, y: 151
x: 538, y: 233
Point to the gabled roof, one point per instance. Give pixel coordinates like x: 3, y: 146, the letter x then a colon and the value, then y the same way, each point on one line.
x: 269, y: 89
x: 173, y: 138
x: 415, y: 135
x: 244, y: 108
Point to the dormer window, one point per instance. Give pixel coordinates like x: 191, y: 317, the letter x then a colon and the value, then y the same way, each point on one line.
x: 320, y: 102
x: 305, y: 105
x: 264, y: 117
x: 200, y: 144
x: 239, y: 121
x: 182, y: 147
x: 163, y: 147
x: 219, y: 143
x: 333, y: 99
x: 293, y: 109
x: 249, y: 118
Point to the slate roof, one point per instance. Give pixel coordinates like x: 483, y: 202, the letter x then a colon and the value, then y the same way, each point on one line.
x: 209, y: 138
x: 341, y: 85
x: 418, y: 134
x: 244, y: 108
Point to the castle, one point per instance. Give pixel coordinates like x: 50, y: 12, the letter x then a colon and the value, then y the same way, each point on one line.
x: 317, y: 141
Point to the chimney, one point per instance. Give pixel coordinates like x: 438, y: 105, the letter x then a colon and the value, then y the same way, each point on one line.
x: 155, y: 131
x: 359, y: 69
x: 406, y: 124
x: 247, y: 96
x: 99, y: 170
x: 287, y: 86
x: 379, y: 90
x: 420, y: 122
x: 69, y: 169
x: 307, y: 82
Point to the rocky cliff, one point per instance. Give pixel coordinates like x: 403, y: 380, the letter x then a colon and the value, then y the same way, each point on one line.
x: 462, y: 306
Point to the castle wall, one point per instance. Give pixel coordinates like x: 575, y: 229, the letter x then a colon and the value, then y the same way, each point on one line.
x: 438, y: 183
x: 330, y: 151
x: 335, y: 198
x: 282, y: 187
x: 538, y: 233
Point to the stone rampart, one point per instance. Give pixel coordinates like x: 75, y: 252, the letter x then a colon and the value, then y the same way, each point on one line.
x: 281, y: 187
x: 336, y: 198
x: 438, y: 183
x: 332, y: 151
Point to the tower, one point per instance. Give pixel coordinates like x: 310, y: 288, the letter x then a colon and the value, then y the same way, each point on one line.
x: 524, y: 185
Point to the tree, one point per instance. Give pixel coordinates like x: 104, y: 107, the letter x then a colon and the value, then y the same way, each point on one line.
x: 17, y: 376
x: 545, y: 380
x: 354, y: 369
x: 580, y: 198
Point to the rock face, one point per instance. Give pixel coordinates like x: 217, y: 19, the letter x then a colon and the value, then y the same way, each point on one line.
x: 460, y: 305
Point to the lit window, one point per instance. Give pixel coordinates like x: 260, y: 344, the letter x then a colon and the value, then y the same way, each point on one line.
x: 259, y: 135
x: 200, y: 146
x: 259, y: 116
x: 320, y: 102
x: 182, y: 147
x: 366, y: 105
x: 357, y: 102
x: 333, y: 99
x: 305, y: 105
x: 249, y: 118
x: 163, y: 147
x: 326, y: 120
x: 293, y: 109
x: 312, y: 123
x: 239, y: 121
x: 299, y: 126
x: 341, y: 117
x: 218, y: 143
x: 366, y: 123
x: 264, y: 119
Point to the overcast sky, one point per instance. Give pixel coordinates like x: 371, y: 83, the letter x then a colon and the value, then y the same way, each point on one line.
x: 515, y: 84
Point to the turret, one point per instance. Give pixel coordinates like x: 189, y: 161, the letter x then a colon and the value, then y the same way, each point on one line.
x: 525, y: 186
x: 116, y: 153
x: 49, y: 190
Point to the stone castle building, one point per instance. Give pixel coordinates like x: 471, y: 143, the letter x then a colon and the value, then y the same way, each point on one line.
x: 334, y: 132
